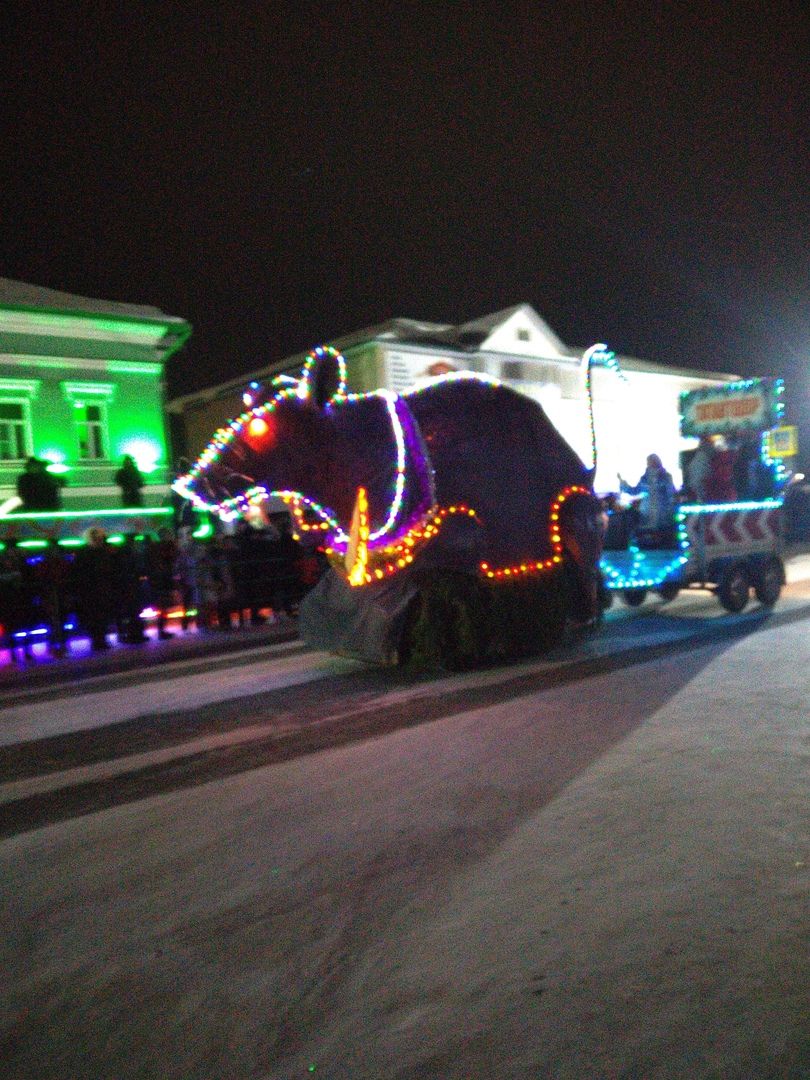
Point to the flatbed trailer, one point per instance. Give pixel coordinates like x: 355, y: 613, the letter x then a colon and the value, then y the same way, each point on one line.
x: 731, y: 549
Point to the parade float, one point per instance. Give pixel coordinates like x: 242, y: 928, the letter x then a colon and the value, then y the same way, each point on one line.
x: 460, y: 526
x: 731, y: 546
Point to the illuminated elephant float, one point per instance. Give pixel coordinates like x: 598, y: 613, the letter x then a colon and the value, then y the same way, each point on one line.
x: 460, y: 526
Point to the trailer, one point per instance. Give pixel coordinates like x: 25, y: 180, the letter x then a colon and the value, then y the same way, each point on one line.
x: 731, y: 548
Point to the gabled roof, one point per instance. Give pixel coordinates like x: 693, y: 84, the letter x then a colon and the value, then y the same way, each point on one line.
x: 406, y: 331
x: 479, y: 332
x: 477, y: 335
x: 472, y: 337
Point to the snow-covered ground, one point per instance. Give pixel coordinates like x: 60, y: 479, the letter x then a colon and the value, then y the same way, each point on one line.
x: 601, y: 879
x: 87, y: 708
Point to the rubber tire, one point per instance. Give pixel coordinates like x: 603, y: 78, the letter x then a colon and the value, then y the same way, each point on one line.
x: 668, y: 591
x: 769, y: 581
x: 734, y: 588
x: 634, y: 597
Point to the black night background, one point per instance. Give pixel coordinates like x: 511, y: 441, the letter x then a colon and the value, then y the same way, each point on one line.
x: 281, y: 174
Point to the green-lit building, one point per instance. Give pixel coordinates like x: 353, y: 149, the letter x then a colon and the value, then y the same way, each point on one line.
x: 81, y: 384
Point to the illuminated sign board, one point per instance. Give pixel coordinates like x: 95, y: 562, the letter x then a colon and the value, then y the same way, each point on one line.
x: 743, y: 406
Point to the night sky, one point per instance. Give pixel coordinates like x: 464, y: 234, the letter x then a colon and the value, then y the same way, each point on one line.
x: 281, y: 174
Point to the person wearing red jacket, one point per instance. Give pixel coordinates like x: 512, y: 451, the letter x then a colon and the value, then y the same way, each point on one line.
x: 720, y: 486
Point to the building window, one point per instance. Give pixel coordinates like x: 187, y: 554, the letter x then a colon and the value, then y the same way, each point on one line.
x: 523, y: 334
x: 91, y: 429
x: 512, y: 370
x: 15, y: 431
x: 89, y: 401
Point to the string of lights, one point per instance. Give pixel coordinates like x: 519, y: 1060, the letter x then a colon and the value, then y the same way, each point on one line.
x: 254, y: 421
x: 647, y: 569
x: 597, y: 355
x: 357, y: 572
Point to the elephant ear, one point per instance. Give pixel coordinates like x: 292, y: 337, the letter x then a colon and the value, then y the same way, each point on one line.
x: 323, y: 378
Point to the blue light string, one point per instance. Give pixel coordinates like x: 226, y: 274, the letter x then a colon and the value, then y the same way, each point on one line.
x: 640, y: 575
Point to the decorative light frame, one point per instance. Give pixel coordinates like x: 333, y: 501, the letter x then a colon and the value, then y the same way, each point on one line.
x: 598, y: 354
x: 640, y: 575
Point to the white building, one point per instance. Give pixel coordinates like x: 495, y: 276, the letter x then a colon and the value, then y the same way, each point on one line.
x: 634, y: 416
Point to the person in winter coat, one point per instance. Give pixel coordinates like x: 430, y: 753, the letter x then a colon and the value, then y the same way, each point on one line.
x: 720, y: 486
x: 131, y: 573
x: 53, y: 589
x: 130, y: 481
x: 656, y: 507
x: 186, y: 574
x: 95, y: 579
x: 698, y: 469
x: 223, y: 555
x: 13, y: 608
x: 37, y: 489
x: 162, y: 557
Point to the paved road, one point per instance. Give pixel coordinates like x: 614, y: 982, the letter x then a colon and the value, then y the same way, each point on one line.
x: 283, y: 865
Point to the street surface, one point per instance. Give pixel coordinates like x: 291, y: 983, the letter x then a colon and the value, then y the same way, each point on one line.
x: 277, y: 863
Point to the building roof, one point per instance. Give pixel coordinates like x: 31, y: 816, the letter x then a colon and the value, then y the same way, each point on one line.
x: 633, y: 363
x: 36, y: 319
x: 477, y: 332
x: 470, y: 337
x: 19, y: 294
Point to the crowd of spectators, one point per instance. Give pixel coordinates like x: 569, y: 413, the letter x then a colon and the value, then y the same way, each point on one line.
x: 222, y: 582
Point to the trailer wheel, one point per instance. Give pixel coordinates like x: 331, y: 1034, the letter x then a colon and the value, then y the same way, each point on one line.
x: 668, y: 591
x: 634, y: 597
x: 734, y: 587
x: 769, y: 581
